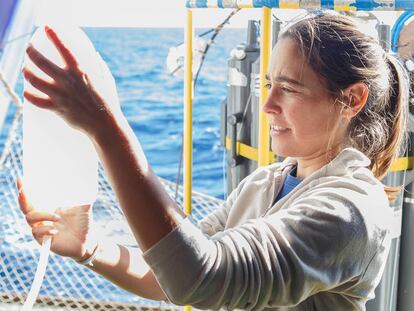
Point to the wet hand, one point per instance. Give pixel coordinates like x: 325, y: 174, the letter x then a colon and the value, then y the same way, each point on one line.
x: 70, y: 228
x: 71, y: 94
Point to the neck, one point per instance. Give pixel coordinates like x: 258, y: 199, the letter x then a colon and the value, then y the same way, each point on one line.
x: 308, y: 165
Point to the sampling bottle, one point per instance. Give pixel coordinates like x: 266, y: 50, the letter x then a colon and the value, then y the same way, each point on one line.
x: 60, y: 164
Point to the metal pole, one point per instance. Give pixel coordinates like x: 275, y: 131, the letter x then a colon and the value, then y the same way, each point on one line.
x: 405, y: 299
x: 188, y: 111
x: 265, y: 43
x: 188, y: 114
x: 406, y: 276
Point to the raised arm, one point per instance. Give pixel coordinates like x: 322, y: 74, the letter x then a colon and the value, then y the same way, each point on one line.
x: 151, y: 213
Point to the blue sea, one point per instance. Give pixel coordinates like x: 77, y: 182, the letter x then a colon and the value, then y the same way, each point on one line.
x: 152, y: 98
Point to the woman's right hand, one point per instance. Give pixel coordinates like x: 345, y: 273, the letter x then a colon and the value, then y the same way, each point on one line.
x: 70, y: 228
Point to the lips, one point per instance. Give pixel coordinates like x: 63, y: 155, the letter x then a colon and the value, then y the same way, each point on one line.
x: 276, y: 129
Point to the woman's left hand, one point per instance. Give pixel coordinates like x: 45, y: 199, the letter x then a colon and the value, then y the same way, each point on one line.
x: 71, y: 94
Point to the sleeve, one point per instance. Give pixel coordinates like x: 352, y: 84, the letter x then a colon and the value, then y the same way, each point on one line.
x: 216, y: 221
x: 314, y: 245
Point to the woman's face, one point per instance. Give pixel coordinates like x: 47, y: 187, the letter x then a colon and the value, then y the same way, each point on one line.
x: 302, y: 114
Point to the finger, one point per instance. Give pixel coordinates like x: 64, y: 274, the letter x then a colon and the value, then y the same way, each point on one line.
x: 47, y: 66
x: 46, y: 87
x: 85, y: 208
x: 25, y: 206
x: 38, y: 216
x: 19, y: 184
x: 41, y: 102
x: 41, y: 231
x: 66, y: 54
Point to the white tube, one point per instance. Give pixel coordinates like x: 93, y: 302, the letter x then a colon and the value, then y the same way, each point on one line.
x: 39, y: 275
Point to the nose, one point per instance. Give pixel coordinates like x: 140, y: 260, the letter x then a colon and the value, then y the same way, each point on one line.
x: 270, y: 105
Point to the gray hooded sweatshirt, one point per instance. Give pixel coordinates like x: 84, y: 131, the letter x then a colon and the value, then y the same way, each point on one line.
x: 321, y: 247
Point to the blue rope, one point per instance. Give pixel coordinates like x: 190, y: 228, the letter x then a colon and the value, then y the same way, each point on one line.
x: 396, y: 29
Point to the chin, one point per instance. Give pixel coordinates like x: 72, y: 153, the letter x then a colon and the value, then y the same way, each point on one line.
x: 283, y: 152
x: 287, y: 150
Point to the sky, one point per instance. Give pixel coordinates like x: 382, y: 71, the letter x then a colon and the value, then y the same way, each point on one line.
x: 135, y: 13
x: 150, y: 13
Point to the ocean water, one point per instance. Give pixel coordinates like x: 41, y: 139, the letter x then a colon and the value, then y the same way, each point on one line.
x: 152, y: 99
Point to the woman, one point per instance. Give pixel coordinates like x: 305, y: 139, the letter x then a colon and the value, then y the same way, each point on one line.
x: 337, y: 107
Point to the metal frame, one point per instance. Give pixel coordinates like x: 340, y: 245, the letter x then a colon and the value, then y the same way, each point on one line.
x: 339, y: 5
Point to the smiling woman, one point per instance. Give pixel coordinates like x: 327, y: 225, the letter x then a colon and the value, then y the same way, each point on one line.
x: 310, y: 233
x: 304, y: 120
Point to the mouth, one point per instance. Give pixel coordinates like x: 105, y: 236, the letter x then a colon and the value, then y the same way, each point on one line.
x: 275, y: 129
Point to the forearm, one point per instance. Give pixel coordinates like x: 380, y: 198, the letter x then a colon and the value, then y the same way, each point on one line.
x: 126, y: 268
x: 150, y: 212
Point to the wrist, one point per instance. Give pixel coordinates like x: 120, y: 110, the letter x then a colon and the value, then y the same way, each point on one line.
x: 89, y: 256
x: 112, y: 126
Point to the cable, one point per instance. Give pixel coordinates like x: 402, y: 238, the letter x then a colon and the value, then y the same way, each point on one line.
x: 13, y: 96
x: 177, y: 181
x: 39, y: 275
x: 224, y: 173
x: 216, y: 32
x: 15, y: 39
x: 215, y: 28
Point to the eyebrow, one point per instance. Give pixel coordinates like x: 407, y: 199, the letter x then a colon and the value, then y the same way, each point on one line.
x: 285, y: 79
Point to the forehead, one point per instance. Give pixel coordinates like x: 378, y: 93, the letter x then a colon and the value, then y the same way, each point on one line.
x: 287, y: 60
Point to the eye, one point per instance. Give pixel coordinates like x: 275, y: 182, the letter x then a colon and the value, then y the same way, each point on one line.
x: 287, y: 90
x: 268, y: 85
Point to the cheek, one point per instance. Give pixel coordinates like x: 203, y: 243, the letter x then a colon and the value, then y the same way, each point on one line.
x: 314, y: 121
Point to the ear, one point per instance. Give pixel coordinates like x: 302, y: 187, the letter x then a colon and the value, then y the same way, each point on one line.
x: 355, y: 98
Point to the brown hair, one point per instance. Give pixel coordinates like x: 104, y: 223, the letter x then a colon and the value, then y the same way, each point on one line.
x: 343, y: 55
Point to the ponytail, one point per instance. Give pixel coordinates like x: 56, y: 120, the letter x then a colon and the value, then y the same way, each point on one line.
x: 396, y: 116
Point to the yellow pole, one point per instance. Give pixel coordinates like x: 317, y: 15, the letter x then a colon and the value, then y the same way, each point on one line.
x: 265, y: 45
x: 188, y: 102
